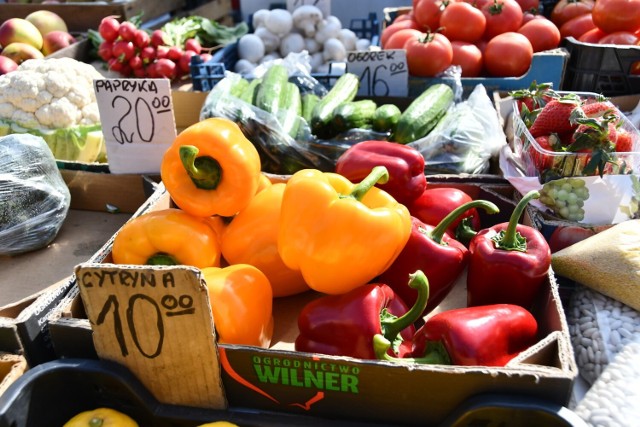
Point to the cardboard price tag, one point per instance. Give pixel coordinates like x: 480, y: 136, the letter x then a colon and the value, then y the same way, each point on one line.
x: 381, y: 73
x: 323, y: 5
x: 158, y: 323
x: 137, y: 122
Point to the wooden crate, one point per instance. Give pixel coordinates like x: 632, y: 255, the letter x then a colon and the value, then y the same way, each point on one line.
x: 81, y: 16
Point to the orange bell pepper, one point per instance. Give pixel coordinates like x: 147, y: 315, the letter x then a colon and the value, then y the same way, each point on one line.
x: 338, y: 234
x: 252, y: 238
x: 167, y: 237
x: 263, y: 182
x: 242, y: 303
x: 211, y: 168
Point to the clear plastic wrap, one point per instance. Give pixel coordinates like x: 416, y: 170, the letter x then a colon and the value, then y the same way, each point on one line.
x: 34, y: 199
x: 600, y: 328
x: 279, y: 152
x: 465, y: 139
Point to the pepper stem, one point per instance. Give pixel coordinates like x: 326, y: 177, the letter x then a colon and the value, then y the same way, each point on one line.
x: 378, y: 175
x: 436, y: 353
x: 161, y: 258
x: 391, y: 328
x: 204, y: 171
x: 438, y: 232
x: 96, y: 422
x: 510, y: 239
x: 465, y: 231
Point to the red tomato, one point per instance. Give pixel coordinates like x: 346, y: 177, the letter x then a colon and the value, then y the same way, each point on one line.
x: 617, y: 15
x: 592, y: 36
x: 393, y: 28
x: 428, y: 56
x: 577, y: 26
x: 565, y: 10
x: 528, y: 16
x: 502, y: 16
x: 542, y: 33
x: 529, y: 5
x: 508, y: 55
x: 403, y: 17
x: 399, y: 38
x: 620, y: 37
x: 635, y: 68
x: 461, y: 21
x: 427, y: 13
x: 468, y: 57
x: 564, y: 236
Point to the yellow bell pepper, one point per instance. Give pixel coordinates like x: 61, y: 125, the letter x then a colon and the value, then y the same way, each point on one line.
x: 167, y: 237
x: 242, y: 304
x: 252, y: 238
x: 340, y: 235
x: 211, y: 168
x: 101, y: 417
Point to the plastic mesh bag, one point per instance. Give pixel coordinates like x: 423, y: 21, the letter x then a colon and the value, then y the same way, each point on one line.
x: 34, y: 199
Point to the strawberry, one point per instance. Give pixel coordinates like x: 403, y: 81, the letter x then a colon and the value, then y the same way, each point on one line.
x: 535, y: 96
x: 624, y: 141
x: 596, y: 135
x: 597, y: 108
x: 541, y: 160
x: 554, y: 117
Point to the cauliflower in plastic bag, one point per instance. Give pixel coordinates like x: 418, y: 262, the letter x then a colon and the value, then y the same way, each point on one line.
x: 34, y: 199
x: 54, y: 98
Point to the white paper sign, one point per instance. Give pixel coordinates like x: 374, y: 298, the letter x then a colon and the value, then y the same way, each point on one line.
x: 381, y: 73
x: 137, y: 122
x: 323, y: 5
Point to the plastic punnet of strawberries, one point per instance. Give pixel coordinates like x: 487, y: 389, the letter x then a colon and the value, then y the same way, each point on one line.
x: 570, y: 134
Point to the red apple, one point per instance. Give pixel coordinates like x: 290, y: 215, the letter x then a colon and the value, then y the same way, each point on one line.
x: 20, y: 52
x: 20, y: 30
x: 56, y: 40
x: 46, y: 21
x: 7, y: 64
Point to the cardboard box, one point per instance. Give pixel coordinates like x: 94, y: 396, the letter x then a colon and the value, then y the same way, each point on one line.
x: 12, y: 366
x: 282, y: 380
x: 81, y: 16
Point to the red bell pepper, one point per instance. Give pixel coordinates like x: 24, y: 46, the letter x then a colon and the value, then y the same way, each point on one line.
x: 405, y: 165
x: 436, y: 203
x: 344, y: 325
x: 508, y: 263
x: 431, y: 249
x: 488, y: 335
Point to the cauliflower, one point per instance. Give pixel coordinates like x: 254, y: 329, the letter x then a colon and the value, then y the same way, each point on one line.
x: 53, y: 98
x: 56, y: 91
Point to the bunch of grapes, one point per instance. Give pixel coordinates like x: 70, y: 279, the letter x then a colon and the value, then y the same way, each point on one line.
x: 565, y: 197
x: 132, y: 51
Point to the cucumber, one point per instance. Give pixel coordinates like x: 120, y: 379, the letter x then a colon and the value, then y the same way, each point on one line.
x: 385, y: 118
x: 248, y: 95
x: 423, y: 114
x: 273, y: 84
x: 353, y: 115
x: 344, y: 90
x: 238, y: 87
x: 309, y: 101
x: 289, y: 109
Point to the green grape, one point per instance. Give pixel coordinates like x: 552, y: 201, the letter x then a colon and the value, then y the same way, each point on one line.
x: 565, y: 197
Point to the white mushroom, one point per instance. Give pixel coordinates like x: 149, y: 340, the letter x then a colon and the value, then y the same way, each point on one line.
x: 271, y: 41
x: 306, y: 18
x: 327, y: 29
x: 251, y: 48
x: 257, y: 19
x: 311, y: 45
x: 292, y: 42
x: 363, y: 44
x: 334, y: 50
x: 279, y: 22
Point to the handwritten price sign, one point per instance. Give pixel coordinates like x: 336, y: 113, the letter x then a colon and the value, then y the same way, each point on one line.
x: 382, y: 73
x: 323, y: 5
x: 157, y: 322
x: 137, y: 122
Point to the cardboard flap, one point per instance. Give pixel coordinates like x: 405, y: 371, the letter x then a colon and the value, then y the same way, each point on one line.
x: 158, y: 323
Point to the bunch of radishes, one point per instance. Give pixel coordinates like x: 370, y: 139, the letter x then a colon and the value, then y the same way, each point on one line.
x: 133, y: 51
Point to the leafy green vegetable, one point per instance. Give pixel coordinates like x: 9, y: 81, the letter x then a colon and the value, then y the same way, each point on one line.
x: 207, y: 31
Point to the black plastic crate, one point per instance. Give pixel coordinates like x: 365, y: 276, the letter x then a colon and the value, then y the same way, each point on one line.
x: 205, y: 75
x: 604, y: 69
x: 53, y: 392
